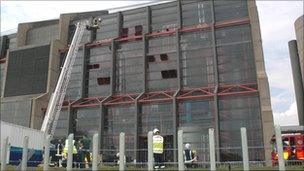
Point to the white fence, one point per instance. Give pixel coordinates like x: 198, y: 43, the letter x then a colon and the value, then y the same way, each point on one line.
x: 97, y: 162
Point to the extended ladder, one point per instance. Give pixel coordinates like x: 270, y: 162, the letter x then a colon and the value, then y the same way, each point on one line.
x: 54, y: 107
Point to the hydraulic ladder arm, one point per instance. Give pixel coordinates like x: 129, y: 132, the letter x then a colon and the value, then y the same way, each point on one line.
x: 54, y: 107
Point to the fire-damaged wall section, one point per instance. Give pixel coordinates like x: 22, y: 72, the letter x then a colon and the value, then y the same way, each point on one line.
x: 28, y: 71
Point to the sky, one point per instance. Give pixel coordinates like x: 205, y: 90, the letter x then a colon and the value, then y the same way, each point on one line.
x: 277, y: 27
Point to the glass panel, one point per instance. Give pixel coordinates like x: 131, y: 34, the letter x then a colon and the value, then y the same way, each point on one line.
x: 230, y: 9
x: 234, y: 113
x: 101, y: 56
x: 119, y: 119
x: 196, y: 12
x: 197, y: 59
x: 129, y: 64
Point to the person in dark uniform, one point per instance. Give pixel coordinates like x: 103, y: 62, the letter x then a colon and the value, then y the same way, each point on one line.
x: 86, y: 148
x: 190, y: 156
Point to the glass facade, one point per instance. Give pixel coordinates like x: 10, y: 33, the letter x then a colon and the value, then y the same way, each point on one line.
x: 230, y: 45
x: 119, y: 119
x: 237, y: 112
x: 87, y: 121
x: 195, y: 118
x: 196, y: 12
x: 129, y: 64
x: 99, y: 67
x: 197, y: 59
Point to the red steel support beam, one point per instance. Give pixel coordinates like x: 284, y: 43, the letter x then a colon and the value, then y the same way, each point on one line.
x: 166, y: 96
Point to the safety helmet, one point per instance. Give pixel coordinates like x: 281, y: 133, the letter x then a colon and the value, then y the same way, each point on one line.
x: 187, y: 146
x: 155, y: 131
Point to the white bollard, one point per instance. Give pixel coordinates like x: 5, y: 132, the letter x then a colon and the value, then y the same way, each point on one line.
x: 122, y: 151
x: 4, y: 153
x: 280, y: 148
x: 46, y: 153
x: 95, y: 152
x: 24, y: 153
x: 150, y: 150
x: 180, y: 142
x: 70, y: 152
x: 212, y: 149
x: 245, y: 149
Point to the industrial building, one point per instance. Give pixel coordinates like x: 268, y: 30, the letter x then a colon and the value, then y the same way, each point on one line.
x: 296, y: 51
x: 190, y: 65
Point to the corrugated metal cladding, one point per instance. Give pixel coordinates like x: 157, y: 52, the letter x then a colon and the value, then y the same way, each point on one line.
x: 203, y: 58
x: 27, y: 71
x: 16, y: 135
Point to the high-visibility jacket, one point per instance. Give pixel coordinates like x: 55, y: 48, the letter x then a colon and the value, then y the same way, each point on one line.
x: 158, y: 144
x: 65, y: 149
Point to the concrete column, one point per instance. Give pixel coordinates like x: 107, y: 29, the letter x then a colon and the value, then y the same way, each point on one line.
x: 95, y: 152
x: 216, y: 83
x: 262, y: 80
x: 4, y: 153
x: 24, y: 153
x: 122, y: 151
x: 297, y: 79
x: 113, y: 67
x: 245, y: 149
x: 70, y: 153
x: 181, y: 166
x: 279, y: 148
x: 46, y: 153
x: 212, y: 149
x: 150, y: 150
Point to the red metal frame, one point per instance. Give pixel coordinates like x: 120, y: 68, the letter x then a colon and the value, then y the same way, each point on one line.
x: 157, y: 96
x: 121, y: 99
x: 167, y: 96
x: 168, y: 32
x: 87, y: 102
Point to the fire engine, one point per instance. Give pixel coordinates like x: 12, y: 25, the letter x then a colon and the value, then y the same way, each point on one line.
x: 293, y: 146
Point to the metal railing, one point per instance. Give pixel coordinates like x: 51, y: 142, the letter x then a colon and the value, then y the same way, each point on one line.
x: 123, y: 162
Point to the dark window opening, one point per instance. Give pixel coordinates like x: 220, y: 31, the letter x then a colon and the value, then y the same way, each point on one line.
x: 93, y: 66
x: 151, y: 58
x: 163, y: 57
x: 103, y: 80
x: 166, y: 74
x: 138, y: 30
x: 125, y: 32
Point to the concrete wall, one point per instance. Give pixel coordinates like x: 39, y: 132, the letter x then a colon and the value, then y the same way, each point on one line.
x: 299, y: 27
x: 37, y: 32
x: 297, y: 78
x: 263, y: 84
x: 40, y: 103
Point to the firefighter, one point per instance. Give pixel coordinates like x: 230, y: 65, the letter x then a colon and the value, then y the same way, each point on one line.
x: 95, y: 24
x: 65, y: 150
x: 59, y: 152
x: 190, y: 156
x: 86, y: 149
x: 158, y: 149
